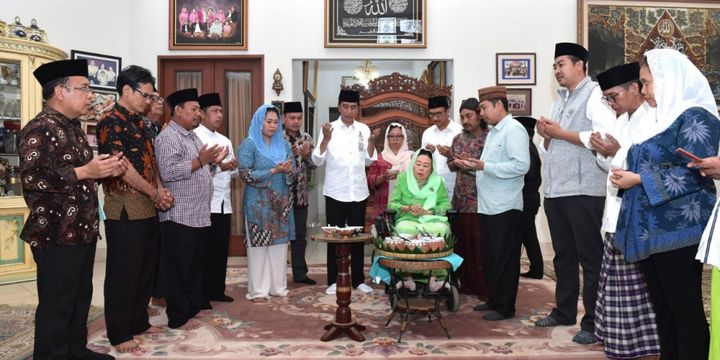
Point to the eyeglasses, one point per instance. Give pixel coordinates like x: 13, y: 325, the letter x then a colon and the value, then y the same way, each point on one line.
x: 158, y: 99
x: 144, y: 94
x: 611, y: 97
x: 395, y: 137
x: 436, y: 114
x: 84, y: 89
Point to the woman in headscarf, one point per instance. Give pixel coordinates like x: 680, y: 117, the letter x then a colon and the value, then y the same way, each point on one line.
x: 666, y: 204
x: 421, y: 200
x: 266, y: 166
x: 382, y: 173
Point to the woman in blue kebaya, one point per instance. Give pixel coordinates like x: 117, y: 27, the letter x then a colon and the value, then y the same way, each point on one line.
x: 666, y: 204
x: 266, y: 166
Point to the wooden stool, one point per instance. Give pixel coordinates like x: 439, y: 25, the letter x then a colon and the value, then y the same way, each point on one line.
x: 415, y: 307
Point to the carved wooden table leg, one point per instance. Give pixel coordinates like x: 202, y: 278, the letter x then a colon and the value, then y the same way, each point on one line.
x: 343, y: 317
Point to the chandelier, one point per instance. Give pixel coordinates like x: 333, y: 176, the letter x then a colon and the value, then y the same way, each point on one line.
x: 365, y: 72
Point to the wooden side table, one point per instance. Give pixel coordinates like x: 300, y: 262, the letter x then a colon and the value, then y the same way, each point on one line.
x: 343, y: 317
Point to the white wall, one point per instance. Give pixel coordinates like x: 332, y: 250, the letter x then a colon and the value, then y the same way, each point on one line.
x: 469, y: 32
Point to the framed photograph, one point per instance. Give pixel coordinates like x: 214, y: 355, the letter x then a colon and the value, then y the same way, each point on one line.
x: 208, y: 25
x: 620, y: 31
x: 515, y: 68
x: 350, y: 80
x: 90, y: 128
x: 104, y: 101
x: 103, y: 70
x: 520, y: 101
x: 436, y: 72
x: 378, y: 23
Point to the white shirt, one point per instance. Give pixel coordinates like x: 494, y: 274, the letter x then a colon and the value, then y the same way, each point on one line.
x: 220, y: 203
x: 346, y: 157
x: 624, y: 128
x: 435, y: 136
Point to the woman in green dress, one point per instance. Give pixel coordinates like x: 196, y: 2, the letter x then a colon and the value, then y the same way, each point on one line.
x: 421, y: 201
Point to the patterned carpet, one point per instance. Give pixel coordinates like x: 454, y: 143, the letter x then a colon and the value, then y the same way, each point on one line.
x: 291, y: 327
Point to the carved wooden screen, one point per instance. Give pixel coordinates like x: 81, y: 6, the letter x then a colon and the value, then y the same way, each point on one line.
x: 396, y: 98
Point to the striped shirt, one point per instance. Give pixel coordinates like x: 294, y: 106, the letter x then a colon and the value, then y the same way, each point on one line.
x: 176, y: 148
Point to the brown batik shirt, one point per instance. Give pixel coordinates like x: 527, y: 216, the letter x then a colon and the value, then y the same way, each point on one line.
x: 122, y: 131
x: 465, y: 195
x: 299, y: 187
x: 63, y: 209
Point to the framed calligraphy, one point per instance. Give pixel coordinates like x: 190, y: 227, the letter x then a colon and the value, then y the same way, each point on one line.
x: 621, y: 31
x: 375, y: 23
x: 203, y: 25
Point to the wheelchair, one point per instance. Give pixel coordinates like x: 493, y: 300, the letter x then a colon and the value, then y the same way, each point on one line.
x: 448, y: 292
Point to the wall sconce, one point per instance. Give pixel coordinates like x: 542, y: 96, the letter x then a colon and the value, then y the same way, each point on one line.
x: 277, y: 82
x: 365, y: 72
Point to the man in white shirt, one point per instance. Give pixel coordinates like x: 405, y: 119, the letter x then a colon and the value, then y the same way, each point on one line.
x: 438, y: 138
x: 347, y: 146
x: 220, y: 207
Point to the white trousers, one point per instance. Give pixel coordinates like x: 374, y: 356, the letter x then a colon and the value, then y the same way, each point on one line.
x: 267, y: 271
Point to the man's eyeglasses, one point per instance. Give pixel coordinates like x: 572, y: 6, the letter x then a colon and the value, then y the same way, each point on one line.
x: 610, y: 98
x: 84, y: 89
x: 144, y: 94
x: 395, y: 137
x: 435, y: 114
x: 158, y: 99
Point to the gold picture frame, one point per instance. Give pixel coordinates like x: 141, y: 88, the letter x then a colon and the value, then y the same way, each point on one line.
x: 226, y: 30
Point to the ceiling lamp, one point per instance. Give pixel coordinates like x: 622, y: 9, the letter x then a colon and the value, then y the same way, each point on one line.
x: 365, y: 72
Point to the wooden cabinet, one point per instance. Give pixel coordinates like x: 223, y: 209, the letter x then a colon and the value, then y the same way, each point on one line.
x: 20, y: 101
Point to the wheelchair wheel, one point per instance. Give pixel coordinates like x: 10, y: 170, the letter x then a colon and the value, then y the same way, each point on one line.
x: 453, y: 301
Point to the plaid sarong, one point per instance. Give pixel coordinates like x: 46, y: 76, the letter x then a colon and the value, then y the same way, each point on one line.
x: 624, y: 317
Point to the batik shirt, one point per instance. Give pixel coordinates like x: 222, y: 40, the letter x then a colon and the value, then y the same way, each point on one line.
x: 120, y: 130
x: 63, y: 209
x: 465, y: 195
x: 299, y: 188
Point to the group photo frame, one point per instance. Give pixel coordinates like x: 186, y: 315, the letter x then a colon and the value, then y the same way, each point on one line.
x: 103, y: 70
x: 621, y: 31
x: 515, y: 69
x: 520, y: 101
x: 208, y: 25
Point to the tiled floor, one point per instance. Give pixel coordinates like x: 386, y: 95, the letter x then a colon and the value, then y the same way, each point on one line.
x: 26, y: 292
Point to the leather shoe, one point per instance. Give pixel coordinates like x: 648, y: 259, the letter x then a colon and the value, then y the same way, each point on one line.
x: 482, y: 307
x: 306, y: 280
x: 223, y: 298
x: 91, y: 355
x: 206, y: 306
x: 493, y: 315
x: 532, y: 275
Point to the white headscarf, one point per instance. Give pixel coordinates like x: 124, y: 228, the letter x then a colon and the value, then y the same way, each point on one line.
x: 400, y: 160
x: 678, y: 85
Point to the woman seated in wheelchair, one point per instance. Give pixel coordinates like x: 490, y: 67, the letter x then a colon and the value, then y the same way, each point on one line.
x: 421, y: 201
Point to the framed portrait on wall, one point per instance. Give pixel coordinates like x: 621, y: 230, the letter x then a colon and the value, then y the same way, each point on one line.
x: 520, y: 101
x: 621, y: 31
x: 378, y: 23
x: 208, y: 25
x: 436, y: 72
x: 103, y: 70
x: 103, y: 102
x: 515, y: 69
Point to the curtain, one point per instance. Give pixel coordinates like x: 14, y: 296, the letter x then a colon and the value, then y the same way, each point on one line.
x: 239, y: 112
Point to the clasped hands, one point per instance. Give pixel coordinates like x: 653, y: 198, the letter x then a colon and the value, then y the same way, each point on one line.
x: 415, y: 210
x: 213, y: 154
x: 283, y: 167
x: 165, y: 199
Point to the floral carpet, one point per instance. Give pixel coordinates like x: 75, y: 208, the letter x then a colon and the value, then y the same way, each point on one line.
x: 291, y: 327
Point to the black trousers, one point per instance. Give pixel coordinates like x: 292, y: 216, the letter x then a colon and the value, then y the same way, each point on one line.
x: 183, y: 254
x: 674, y: 282
x: 132, y: 257
x: 340, y: 213
x: 297, y: 247
x: 217, y: 256
x: 529, y: 236
x: 64, y: 285
x: 501, y: 259
x: 574, y: 223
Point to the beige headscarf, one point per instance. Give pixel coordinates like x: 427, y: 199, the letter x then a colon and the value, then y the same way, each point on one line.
x: 400, y: 160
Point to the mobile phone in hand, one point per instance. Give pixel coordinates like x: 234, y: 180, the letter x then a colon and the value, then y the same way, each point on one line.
x: 688, y: 154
